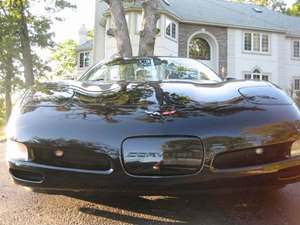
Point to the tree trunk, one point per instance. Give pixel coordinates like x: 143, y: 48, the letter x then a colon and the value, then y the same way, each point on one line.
x: 26, y: 49
x: 120, y: 30
x: 149, y: 29
x: 8, y: 89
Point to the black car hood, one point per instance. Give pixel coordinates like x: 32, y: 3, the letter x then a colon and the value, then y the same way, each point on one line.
x: 156, y: 95
x: 225, y: 115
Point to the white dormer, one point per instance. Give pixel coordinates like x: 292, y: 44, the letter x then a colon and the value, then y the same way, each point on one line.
x: 83, y: 34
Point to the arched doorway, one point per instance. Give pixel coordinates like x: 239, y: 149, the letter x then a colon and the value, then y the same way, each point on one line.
x: 203, y: 46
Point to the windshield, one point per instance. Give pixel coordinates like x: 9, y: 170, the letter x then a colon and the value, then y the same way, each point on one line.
x: 152, y: 69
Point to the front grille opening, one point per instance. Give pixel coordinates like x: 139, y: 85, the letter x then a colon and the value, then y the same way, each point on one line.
x: 27, y: 175
x: 73, y: 159
x: 249, y: 157
x: 162, y: 156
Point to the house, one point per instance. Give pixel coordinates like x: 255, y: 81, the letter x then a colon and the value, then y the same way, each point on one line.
x: 84, y: 52
x: 237, y: 40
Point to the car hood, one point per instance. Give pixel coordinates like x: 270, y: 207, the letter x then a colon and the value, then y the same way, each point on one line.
x: 155, y: 95
x: 232, y: 114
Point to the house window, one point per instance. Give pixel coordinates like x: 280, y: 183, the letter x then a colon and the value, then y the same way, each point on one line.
x: 256, y: 42
x: 174, y: 30
x: 248, y: 76
x: 265, y: 43
x: 296, y: 49
x: 171, y: 29
x: 256, y: 74
x: 84, y: 59
x: 248, y: 42
x: 297, y: 84
x: 265, y: 77
x: 199, y: 49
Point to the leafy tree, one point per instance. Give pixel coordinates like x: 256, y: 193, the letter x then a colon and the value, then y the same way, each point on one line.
x: 91, y: 34
x: 34, y: 30
x: 22, y: 33
x: 9, y: 53
x: 278, y: 6
x: 295, y: 9
x: 261, y: 2
x: 65, y: 56
x: 2, y: 116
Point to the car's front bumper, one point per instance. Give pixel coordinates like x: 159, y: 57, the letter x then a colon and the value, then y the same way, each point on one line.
x: 49, y: 178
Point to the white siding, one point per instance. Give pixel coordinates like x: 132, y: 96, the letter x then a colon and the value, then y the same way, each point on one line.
x: 279, y: 63
x: 231, y: 53
x: 165, y: 46
x: 289, y: 65
x: 240, y: 62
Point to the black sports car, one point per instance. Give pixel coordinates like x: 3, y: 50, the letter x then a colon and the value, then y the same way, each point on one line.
x: 154, y: 125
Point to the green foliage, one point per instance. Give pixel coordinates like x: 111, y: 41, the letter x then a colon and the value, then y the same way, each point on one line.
x: 39, y: 26
x: 2, y: 118
x: 90, y: 34
x: 2, y: 112
x: 9, y: 57
x: 295, y: 9
x: 261, y: 2
x: 276, y: 5
x: 62, y: 4
x: 21, y: 23
x: 65, y: 56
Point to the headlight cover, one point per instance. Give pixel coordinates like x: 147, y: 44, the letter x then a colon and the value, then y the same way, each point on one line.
x: 16, y: 151
x: 295, y: 149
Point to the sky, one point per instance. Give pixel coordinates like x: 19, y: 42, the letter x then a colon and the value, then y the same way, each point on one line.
x: 74, y: 19
x: 290, y: 2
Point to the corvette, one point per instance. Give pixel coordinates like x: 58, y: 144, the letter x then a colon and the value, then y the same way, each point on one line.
x: 153, y: 125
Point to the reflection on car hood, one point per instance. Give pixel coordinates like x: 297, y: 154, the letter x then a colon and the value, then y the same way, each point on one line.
x: 166, y: 93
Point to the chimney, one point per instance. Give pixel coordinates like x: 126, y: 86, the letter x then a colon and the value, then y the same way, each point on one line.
x: 83, y: 34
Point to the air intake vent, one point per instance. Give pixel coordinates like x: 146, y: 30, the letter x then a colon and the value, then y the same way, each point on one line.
x: 251, y: 157
x: 74, y: 159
